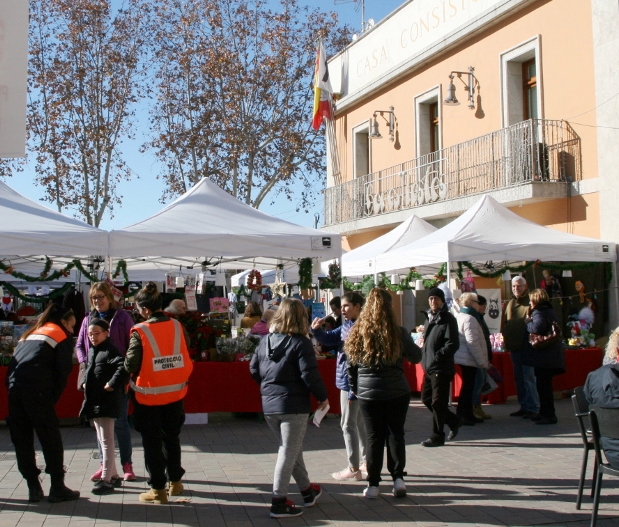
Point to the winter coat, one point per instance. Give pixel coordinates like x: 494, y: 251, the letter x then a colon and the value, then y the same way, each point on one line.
x: 388, y: 380
x: 105, y: 366
x: 330, y: 338
x: 472, y: 351
x: 547, y: 358
x: 120, y: 331
x: 285, y: 366
x: 440, y: 342
x: 513, y: 322
x: 39, y: 367
x: 602, y: 389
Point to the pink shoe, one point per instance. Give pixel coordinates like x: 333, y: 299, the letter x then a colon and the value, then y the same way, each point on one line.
x: 128, y: 475
x: 347, y: 473
x: 97, y: 475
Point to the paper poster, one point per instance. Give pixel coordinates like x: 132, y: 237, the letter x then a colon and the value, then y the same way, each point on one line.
x: 190, y: 301
x: 170, y: 283
x: 219, y: 305
x: 493, y: 311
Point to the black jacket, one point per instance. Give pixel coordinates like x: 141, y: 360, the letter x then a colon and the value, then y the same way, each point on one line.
x: 105, y: 366
x: 549, y: 358
x: 285, y: 366
x: 38, y: 366
x: 440, y: 342
x: 386, y: 381
x: 602, y: 389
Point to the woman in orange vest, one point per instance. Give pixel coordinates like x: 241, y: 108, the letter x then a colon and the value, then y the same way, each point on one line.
x: 37, y: 376
x: 160, y: 363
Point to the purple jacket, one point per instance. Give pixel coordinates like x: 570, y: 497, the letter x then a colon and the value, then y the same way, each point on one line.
x: 120, y: 332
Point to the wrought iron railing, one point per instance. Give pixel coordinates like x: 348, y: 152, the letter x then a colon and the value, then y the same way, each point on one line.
x: 533, y: 150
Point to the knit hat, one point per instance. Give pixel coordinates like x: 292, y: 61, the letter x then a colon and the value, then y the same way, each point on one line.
x: 435, y: 291
x: 99, y: 322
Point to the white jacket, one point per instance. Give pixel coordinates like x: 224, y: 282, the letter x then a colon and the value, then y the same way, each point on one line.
x: 472, y: 351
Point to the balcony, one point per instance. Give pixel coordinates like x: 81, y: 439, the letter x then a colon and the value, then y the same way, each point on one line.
x: 537, y: 153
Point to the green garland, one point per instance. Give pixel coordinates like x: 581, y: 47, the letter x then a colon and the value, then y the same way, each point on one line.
x: 121, y: 267
x: 36, y: 299
x: 44, y: 276
x: 485, y: 273
x: 305, y: 273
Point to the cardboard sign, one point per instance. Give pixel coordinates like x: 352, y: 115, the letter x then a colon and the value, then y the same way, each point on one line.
x: 219, y: 305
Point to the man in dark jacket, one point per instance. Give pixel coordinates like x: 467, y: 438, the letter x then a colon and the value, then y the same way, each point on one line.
x: 602, y: 389
x: 440, y: 343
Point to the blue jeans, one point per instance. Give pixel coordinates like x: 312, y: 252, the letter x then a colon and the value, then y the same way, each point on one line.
x: 524, y: 377
x: 123, y: 433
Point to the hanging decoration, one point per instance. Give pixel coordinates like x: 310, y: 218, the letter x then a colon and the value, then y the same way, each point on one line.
x: 405, y: 285
x: 254, y: 280
x: 36, y: 299
x: 496, y: 272
x: 334, y: 280
x: 305, y: 273
x: 45, y: 275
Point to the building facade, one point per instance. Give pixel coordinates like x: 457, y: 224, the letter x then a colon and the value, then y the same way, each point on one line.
x: 535, y: 125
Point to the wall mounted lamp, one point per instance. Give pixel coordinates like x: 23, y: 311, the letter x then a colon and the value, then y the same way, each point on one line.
x: 451, y: 99
x: 374, y: 132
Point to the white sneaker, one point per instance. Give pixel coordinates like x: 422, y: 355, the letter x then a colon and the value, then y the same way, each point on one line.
x: 364, y: 469
x: 347, y: 473
x: 399, y: 488
x: 371, y: 492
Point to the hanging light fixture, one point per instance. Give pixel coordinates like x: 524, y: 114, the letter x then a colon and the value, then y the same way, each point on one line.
x: 419, y: 285
x: 567, y: 273
x: 469, y: 86
x: 395, y: 279
x: 374, y: 132
x: 507, y: 276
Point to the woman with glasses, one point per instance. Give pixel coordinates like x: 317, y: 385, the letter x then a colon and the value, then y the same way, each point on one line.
x: 102, y: 303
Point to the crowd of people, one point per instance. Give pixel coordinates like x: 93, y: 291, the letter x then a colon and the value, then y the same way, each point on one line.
x: 150, y: 362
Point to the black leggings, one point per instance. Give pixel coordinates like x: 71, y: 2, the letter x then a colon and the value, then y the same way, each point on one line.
x: 384, y: 424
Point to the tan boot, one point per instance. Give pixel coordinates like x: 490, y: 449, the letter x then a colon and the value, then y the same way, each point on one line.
x: 477, y: 412
x: 159, y: 497
x: 176, y: 488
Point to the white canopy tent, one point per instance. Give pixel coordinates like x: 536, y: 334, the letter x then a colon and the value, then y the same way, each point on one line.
x: 362, y: 260
x: 490, y: 231
x: 289, y: 275
x: 30, y: 231
x: 208, y: 224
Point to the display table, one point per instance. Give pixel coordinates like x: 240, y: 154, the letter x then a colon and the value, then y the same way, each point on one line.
x: 213, y: 387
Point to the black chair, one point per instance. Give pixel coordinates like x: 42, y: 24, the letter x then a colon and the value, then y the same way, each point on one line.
x: 604, y: 424
x: 581, y: 409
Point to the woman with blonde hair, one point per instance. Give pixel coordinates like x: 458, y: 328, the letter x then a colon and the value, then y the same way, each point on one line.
x: 612, y: 348
x: 285, y: 367
x: 375, y: 348
x: 103, y: 307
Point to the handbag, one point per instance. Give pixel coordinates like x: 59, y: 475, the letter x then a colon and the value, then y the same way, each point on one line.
x: 553, y: 336
x: 489, y: 385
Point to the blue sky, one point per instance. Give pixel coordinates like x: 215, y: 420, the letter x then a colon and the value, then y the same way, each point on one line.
x: 141, y: 195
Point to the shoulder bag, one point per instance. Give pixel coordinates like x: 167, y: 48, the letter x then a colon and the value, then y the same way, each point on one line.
x: 540, y: 342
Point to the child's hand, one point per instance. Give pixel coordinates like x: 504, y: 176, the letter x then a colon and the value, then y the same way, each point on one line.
x: 108, y: 388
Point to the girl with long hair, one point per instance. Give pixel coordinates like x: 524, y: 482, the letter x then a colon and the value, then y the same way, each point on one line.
x: 375, y: 348
x: 285, y: 367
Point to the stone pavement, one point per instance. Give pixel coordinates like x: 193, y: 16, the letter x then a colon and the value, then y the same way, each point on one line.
x: 506, y: 471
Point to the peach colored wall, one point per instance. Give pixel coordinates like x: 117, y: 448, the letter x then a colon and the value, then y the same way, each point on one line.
x: 357, y: 240
x: 584, y: 213
x: 567, y: 78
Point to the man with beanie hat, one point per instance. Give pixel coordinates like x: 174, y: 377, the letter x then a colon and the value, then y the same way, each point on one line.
x: 440, y: 344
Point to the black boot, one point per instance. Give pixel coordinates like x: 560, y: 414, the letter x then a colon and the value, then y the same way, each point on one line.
x: 35, y: 491
x: 60, y: 492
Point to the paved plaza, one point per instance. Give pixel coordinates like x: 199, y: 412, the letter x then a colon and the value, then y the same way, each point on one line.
x: 506, y: 471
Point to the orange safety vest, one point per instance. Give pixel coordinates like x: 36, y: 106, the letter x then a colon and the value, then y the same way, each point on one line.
x: 50, y: 333
x: 166, y: 365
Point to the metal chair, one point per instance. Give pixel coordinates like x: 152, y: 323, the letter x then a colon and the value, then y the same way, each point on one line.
x: 604, y: 424
x: 581, y: 410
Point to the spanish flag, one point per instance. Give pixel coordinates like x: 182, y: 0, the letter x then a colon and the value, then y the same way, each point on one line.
x: 322, y: 89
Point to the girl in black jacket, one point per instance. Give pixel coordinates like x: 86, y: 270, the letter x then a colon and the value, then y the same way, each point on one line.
x: 105, y: 381
x: 547, y: 362
x: 375, y: 349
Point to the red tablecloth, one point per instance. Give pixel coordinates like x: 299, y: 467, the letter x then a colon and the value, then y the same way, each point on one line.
x: 213, y: 387
x: 578, y: 364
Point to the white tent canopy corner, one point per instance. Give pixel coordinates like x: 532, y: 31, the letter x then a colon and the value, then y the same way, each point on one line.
x: 490, y: 231
x: 208, y: 223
